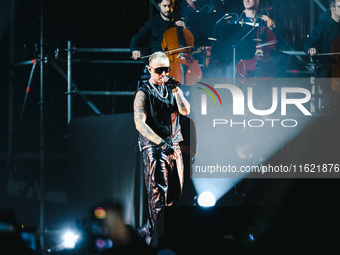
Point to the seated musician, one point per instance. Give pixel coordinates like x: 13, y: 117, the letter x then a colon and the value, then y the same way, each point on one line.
x: 251, y: 15
x: 250, y: 18
x: 150, y: 35
x: 320, y: 41
x: 242, y: 32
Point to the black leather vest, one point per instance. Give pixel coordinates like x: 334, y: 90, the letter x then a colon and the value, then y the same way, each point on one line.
x: 162, y: 115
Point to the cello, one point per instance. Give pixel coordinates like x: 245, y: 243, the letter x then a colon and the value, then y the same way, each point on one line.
x: 261, y: 65
x: 177, y: 42
x: 335, y: 49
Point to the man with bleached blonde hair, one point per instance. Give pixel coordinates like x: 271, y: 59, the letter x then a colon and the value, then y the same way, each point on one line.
x: 157, y: 105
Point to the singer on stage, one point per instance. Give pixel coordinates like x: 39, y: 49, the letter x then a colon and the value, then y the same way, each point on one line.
x: 157, y: 105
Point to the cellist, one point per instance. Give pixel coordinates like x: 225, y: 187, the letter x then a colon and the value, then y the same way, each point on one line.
x: 151, y: 34
x: 242, y: 35
x: 250, y: 13
x: 319, y: 42
x: 249, y: 19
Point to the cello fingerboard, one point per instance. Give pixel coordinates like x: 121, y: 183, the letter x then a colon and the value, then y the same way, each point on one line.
x: 180, y: 37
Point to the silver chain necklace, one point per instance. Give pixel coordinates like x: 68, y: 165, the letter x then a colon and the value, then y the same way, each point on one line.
x: 163, y: 97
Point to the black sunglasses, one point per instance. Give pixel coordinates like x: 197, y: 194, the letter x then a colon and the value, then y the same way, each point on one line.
x: 160, y: 70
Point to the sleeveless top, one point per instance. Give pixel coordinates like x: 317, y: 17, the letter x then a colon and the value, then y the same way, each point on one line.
x: 162, y: 114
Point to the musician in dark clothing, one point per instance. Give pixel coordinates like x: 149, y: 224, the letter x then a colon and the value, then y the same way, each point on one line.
x: 320, y: 41
x: 239, y: 31
x: 151, y: 34
x: 321, y: 38
x: 250, y: 19
x: 251, y: 15
x: 157, y: 106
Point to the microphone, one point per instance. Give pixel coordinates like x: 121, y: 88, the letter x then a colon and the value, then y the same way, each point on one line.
x: 172, y: 81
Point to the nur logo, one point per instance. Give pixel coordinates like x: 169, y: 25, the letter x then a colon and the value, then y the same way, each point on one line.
x: 288, y: 96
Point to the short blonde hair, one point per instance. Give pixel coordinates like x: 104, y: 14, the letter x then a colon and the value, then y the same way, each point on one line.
x: 159, y: 57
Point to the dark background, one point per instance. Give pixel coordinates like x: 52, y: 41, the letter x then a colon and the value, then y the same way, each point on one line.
x: 98, y: 24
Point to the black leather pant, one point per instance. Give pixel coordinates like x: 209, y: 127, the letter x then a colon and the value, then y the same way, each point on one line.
x: 163, y: 180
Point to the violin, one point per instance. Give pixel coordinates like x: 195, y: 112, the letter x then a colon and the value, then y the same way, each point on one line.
x: 335, y: 48
x: 177, y: 42
x: 261, y: 65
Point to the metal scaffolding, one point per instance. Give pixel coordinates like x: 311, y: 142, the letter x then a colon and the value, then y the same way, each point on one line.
x: 72, y: 87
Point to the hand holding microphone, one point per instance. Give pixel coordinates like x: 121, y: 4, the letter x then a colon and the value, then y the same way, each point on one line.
x: 171, y: 83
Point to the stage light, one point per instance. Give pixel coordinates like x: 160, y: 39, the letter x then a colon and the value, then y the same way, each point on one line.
x: 102, y: 243
x: 251, y: 237
x: 100, y: 213
x: 69, y: 240
x: 218, y: 186
x: 206, y: 199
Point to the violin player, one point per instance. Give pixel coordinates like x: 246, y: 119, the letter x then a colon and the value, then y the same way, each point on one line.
x: 319, y: 42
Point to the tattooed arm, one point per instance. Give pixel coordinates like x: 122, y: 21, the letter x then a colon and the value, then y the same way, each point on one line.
x: 182, y: 104
x: 140, y: 118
